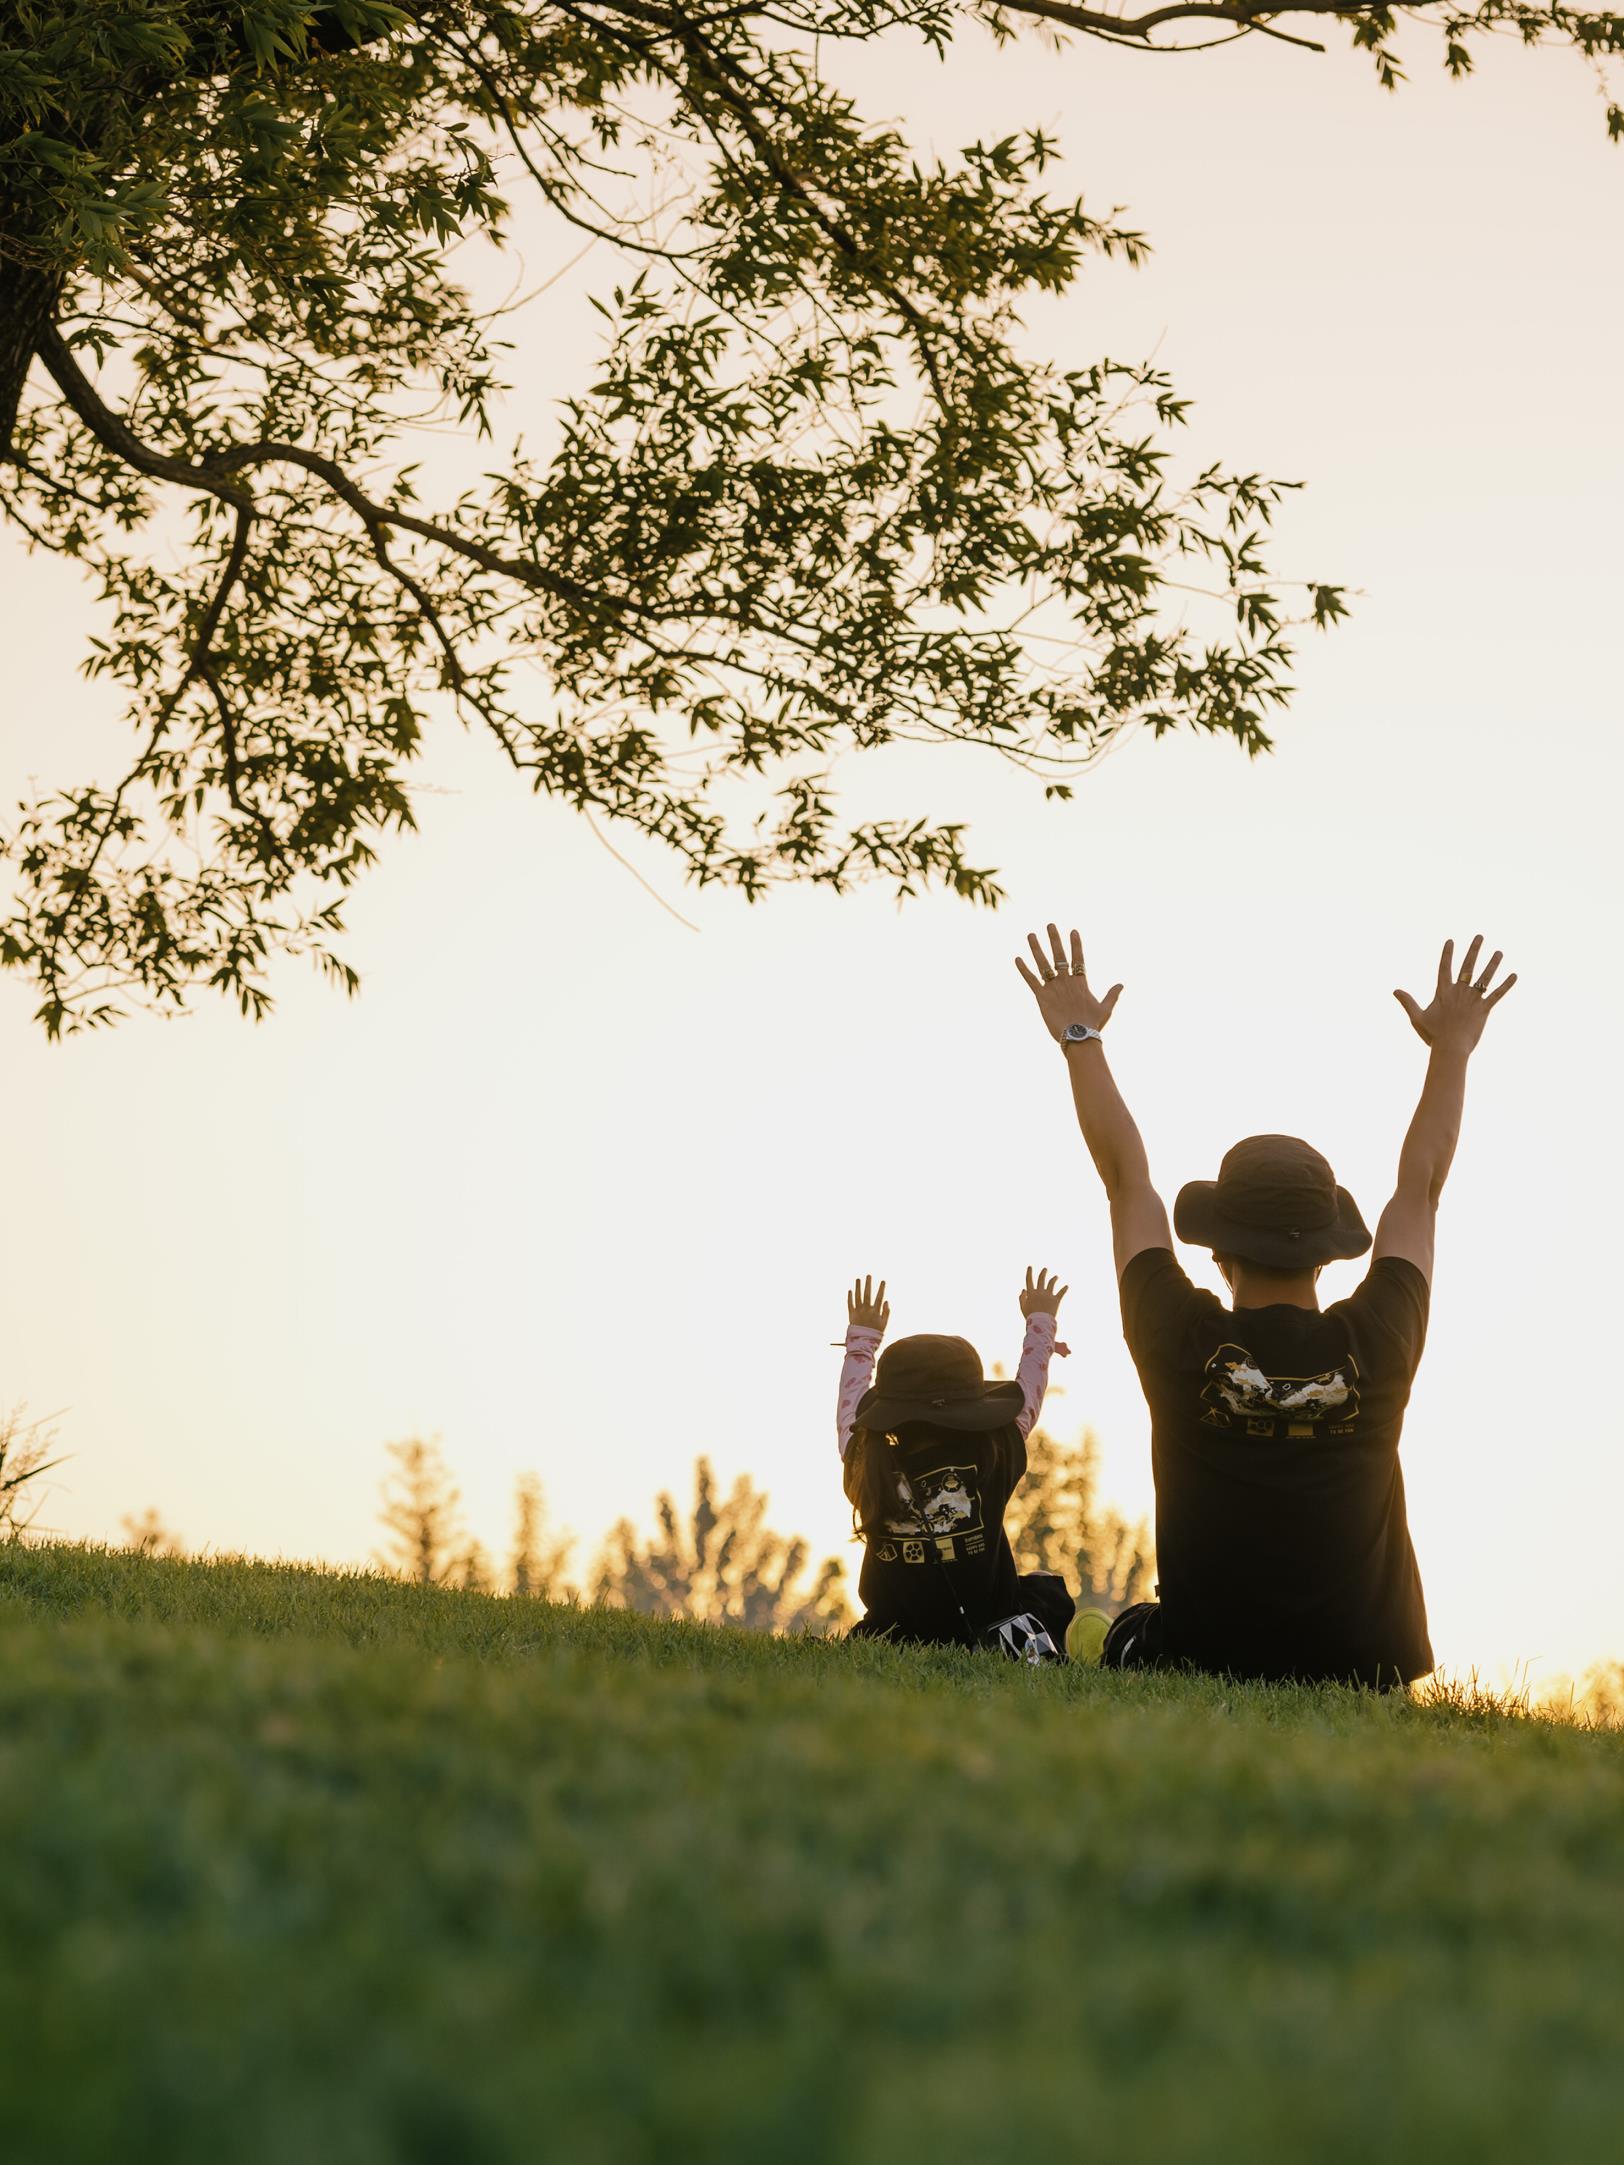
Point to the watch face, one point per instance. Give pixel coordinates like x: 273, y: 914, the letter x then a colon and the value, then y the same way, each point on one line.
x: 1078, y: 1032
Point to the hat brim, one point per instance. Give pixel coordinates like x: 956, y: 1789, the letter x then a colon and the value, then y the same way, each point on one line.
x: 1198, y: 1219
x: 994, y: 1407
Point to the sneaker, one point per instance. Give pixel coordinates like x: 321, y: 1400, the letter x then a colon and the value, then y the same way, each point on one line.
x: 1085, y: 1641
x: 1022, y: 1638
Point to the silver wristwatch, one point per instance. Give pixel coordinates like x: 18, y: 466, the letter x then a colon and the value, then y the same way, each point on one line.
x: 1079, y: 1033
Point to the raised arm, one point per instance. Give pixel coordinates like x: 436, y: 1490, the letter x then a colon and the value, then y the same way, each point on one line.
x: 1451, y: 1027
x: 1040, y: 1304
x: 1060, y: 986
x: 867, y: 1313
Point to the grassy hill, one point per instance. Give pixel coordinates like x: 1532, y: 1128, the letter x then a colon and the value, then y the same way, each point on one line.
x: 321, y: 1870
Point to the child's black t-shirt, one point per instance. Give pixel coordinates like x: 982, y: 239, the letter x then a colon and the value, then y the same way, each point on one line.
x: 941, y: 1568
x: 1282, y: 1545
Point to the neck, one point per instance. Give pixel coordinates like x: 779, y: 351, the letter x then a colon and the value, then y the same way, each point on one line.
x: 1251, y: 1287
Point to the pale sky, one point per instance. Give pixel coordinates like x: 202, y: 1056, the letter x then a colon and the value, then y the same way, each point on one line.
x: 575, y: 1188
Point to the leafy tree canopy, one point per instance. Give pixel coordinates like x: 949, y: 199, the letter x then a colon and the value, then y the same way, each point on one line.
x: 818, y: 496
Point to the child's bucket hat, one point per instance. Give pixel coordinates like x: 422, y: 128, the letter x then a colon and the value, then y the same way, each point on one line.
x: 937, y: 1380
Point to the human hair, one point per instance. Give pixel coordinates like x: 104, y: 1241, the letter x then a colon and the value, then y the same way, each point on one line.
x: 1265, y: 1273
x: 871, y: 1480
x: 871, y: 1467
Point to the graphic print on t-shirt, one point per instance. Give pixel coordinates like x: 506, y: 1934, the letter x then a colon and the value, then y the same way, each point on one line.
x: 1239, y: 1394
x: 940, y: 1517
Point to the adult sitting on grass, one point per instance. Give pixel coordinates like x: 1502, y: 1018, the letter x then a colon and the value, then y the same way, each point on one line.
x: 1281, y: 1537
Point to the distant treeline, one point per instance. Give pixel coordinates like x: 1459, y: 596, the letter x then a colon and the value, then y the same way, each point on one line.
x: 717, y: 1560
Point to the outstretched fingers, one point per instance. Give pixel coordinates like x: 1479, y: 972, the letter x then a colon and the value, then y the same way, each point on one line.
x: 1043, y: 1293
x: 866, y: 1302
x: 1063, y: 957
x: 1464, y: 996
x: 1054, y: 975
x: 1469, y: 978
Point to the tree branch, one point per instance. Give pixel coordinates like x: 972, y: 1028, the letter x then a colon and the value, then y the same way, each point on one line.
x: 112, y: 430
x: 198, y: 670
x: 834, y: 229
x: 1123, y: 29
x: 213, y: 475
x: 1136, y: 29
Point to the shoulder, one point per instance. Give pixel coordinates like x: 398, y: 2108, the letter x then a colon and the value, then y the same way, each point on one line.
x: 1159, y: 1299
x: 1393, y: 1299
x: 1157, y: 1271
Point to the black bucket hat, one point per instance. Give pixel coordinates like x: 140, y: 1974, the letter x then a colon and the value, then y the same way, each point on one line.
x: 937, y: 1380
x: 1275, y: 1202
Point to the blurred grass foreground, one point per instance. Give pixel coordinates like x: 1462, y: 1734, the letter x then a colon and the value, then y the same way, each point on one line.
x: 320, y: 1868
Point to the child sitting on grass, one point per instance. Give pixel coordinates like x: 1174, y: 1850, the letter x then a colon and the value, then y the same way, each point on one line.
x: 932, y: 1453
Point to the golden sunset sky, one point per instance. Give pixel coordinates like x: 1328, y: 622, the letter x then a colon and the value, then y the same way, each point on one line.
x: 576, y: 1188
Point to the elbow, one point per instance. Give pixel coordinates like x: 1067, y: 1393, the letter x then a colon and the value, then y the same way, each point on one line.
x: 1426, y: 1184
x: 1116, y: 1177
x: 1420, y: 1185
x: 1126, y: 1182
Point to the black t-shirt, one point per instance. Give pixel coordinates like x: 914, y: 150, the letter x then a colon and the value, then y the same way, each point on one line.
x: 1281, y: 1540
x: 942, y: 1568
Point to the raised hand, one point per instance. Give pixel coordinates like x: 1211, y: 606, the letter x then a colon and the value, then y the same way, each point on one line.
x: 1043, y: 1294
x: 1061, y: 986
x: 866, y: 1304
x: 1453, y: 1020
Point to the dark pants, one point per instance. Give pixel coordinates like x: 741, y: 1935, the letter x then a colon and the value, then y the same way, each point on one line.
x: 1042, y: 1594
x: 1136, y: 1640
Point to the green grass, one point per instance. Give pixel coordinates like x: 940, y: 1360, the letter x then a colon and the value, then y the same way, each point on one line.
x: 322, y: 1870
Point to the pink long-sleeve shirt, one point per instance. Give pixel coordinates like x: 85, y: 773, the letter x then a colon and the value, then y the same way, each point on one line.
x: 862, y: 1349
